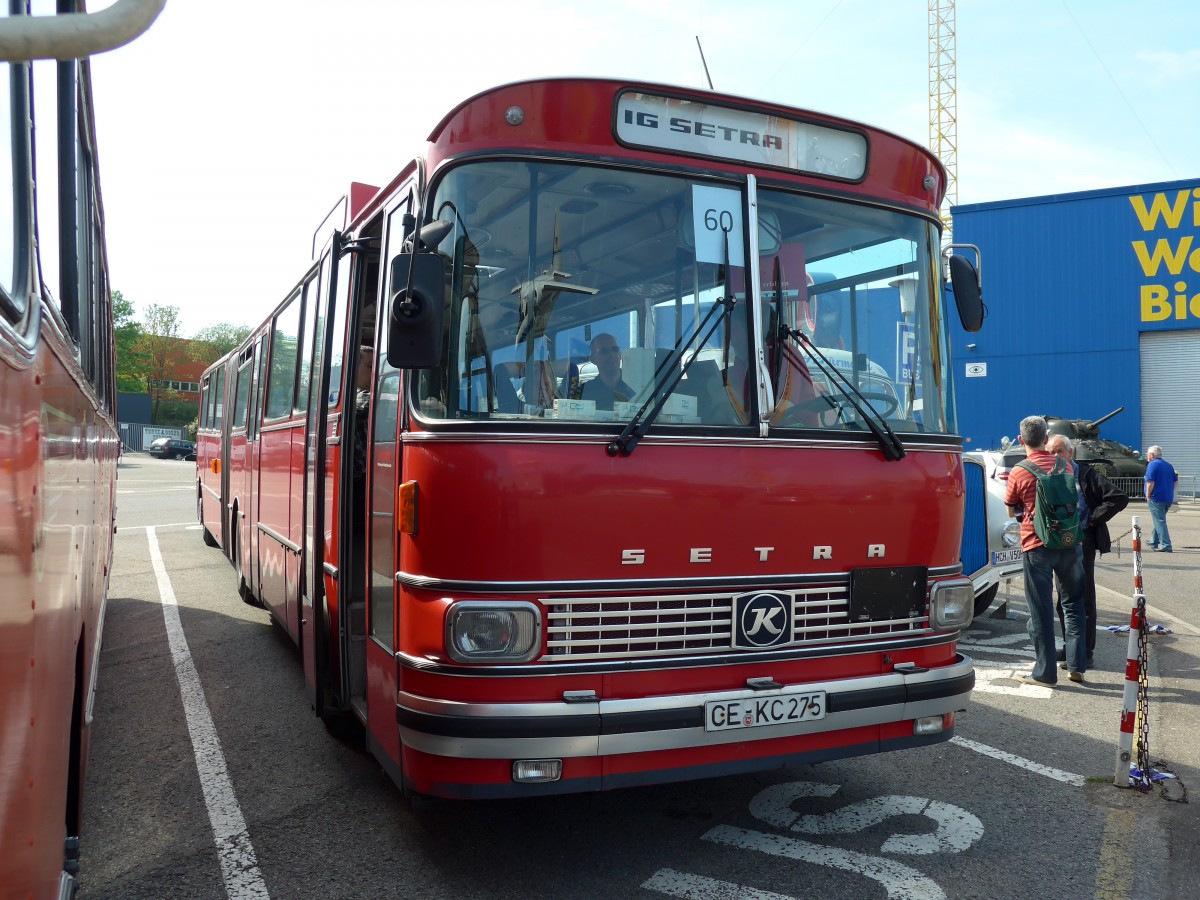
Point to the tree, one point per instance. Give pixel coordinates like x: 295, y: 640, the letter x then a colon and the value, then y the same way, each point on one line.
x: 127, y: 332
x: 213, y: 342
x: 159, y: 342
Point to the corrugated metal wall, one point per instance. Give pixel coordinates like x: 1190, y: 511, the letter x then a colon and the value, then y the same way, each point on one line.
x: 1064, y: 288
x: 1171, y: 397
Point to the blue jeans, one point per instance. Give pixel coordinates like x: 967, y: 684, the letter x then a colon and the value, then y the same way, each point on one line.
x: 1159, y: 536
x: 1041, y: 565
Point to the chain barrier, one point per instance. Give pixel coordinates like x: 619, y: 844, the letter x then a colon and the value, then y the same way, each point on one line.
x: 1134, y: 768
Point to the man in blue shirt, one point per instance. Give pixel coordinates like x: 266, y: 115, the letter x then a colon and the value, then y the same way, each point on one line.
x: 1160, y: 494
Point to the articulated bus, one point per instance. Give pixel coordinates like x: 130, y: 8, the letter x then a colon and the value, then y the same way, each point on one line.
x: 58, y: 435
x: 612, y: 442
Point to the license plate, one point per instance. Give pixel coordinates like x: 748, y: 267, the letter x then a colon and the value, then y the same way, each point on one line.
x: 755, y: 712
x: 1005, y: 556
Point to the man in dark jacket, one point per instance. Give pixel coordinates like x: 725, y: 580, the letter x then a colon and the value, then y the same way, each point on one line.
x: 1099, y: 501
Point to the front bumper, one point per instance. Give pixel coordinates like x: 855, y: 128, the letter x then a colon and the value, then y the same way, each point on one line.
x: 606, y: 728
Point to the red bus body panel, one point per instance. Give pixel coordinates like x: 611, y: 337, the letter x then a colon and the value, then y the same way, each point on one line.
x: 58, y: 462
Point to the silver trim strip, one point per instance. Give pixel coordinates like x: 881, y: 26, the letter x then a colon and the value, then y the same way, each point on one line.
x: 331, y: 570
x: 643, y: 664
x: 706, y: 441
x: 675, y: 738
x: 214, y: 494
x: 699, y: 583
x: 275, y: 535
x: 281, y: 426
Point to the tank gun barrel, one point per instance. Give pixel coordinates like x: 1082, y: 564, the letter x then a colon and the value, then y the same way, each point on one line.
x: 1100, y: 421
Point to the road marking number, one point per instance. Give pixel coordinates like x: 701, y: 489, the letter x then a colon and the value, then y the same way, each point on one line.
x: 955, y: 830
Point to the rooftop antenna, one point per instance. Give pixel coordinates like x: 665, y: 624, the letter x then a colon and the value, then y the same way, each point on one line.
x: 705, y: 62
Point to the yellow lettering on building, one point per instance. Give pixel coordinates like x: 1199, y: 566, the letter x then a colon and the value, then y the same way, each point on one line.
x: 1158, y: 304
x: 1171, y: 213
x: 1155, y: 307
x: 1182, y: 302
x: 1173, y: 257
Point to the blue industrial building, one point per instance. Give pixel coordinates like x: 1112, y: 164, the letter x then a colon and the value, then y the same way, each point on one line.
x: 1093, y: 302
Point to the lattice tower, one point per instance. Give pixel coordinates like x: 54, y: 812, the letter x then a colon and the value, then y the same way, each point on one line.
x: 943, y: 103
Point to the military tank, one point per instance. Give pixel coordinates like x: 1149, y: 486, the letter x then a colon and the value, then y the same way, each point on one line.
x: 1108, y: 457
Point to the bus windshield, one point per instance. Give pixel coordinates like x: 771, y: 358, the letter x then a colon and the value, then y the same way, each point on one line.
x: 575, y: 290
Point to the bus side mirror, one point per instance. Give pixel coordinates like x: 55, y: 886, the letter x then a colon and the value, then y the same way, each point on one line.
x: 968, y: 295
x: 415, y: 326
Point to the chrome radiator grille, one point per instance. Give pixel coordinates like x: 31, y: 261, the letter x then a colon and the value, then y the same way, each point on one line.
x: 684, y: 625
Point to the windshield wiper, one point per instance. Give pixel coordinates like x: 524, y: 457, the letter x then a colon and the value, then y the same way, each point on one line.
x: 670, y: 372
x: 892, y: 448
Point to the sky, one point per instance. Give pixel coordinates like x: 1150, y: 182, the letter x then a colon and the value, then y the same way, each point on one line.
x: 230, y: 128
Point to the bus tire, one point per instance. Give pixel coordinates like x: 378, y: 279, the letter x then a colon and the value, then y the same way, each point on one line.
x: 243, y: 589
x: 208, y: 538
x: 984, y: 600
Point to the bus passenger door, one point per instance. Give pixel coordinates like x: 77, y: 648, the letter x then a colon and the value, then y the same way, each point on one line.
x: 315, y: 635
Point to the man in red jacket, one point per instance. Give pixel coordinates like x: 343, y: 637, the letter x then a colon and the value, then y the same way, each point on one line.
x: 1041, y: 564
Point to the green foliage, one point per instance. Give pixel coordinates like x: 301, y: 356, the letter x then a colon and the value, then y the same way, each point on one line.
x: 160, y: 342
x: 179, y: 413
x: 213, y: 342
x: 132, y: 363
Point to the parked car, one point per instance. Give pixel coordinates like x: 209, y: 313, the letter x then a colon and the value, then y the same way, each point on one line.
x: 991, y: 544
x: 172, y: 448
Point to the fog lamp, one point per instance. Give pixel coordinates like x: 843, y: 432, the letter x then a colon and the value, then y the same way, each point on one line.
x: 534, y: 771
x: 929, y: 725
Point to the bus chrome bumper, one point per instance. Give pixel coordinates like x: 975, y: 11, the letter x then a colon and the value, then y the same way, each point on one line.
x: 585, y: 728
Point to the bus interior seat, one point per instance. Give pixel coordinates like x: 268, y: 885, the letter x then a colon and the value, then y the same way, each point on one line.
x: 703, y: 381
x: 507, y: 400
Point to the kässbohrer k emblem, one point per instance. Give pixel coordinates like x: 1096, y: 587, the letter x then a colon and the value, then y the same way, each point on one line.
x: 762, y: 620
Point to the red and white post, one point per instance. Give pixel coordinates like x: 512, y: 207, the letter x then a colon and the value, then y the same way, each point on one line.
x: 1133, y: 665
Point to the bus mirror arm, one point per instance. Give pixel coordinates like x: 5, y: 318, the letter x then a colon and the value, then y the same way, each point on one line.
x: 415, y: 322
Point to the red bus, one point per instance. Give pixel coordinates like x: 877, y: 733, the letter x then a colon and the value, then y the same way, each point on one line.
x: 612, y: 442
x: 58, y: 442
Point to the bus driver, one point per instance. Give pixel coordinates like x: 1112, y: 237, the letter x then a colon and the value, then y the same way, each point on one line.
x: 607, y: 386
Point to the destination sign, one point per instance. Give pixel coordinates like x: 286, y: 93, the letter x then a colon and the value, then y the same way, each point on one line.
x: 721, y: 132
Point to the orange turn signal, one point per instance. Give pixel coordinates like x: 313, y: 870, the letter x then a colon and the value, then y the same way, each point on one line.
x: 406, y: 508
x: 215, y: 466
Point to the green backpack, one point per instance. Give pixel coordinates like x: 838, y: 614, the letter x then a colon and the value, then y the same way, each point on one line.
x: 1056, y: 513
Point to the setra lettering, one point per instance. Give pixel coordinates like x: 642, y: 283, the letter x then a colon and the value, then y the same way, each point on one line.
x: 704, y: 555
x: 726, y: 133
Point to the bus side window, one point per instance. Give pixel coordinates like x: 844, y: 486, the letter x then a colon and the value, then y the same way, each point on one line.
x: 284, y: 341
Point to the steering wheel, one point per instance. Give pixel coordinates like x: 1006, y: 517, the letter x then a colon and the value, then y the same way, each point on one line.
x: 892, y: 404
x: 826, y: 407
x: 823, y: 405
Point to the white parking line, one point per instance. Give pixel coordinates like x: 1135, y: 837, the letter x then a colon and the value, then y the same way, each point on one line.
x: 191, y: 525
x: 239, y: 865
x: 979, y: 638
x: 1021, y: 762
x: 1000, y: 651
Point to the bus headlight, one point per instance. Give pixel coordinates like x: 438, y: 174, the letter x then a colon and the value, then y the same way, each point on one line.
x: 493, y: 631
x: 951, y: 603
x: 1010, y: 535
